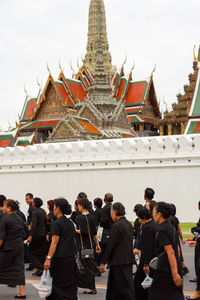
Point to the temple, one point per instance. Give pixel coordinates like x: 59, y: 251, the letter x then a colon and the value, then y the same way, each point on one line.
x: 193, y: 124
x: 98, y: 102
x: 175, y: 121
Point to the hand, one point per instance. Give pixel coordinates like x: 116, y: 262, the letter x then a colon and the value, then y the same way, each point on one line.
x: 47, y: 238
x: 98, y: 249
x: 182, y: 241
x: 29, y: 239
x: 177, y: 279
x: 29, y: 228
x: 102, y: 268
x: 136, y: 251
x: 146, y: 269
x: 192, y: 244
x: 47, y: 264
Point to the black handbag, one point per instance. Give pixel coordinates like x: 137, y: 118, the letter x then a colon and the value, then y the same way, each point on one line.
x: 87, y: 253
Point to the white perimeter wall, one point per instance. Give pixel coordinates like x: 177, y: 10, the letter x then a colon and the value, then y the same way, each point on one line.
x: 124, y: 167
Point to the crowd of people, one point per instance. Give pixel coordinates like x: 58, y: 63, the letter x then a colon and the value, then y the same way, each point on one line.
x: 80, y: 245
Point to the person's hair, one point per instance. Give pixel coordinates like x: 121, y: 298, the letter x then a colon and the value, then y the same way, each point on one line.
x: 82, y: 195
x: 98, y: 202
x: 2, y: 199
x: 119, y: 209
x: 136, y: 207
x: 152, y: 204
x: 149, y: 193
x: 12, y: 204
x: 143, y: 213
x: 172, y: 209
x: 76, y: 202
x: 164, y: 209
x: 51, y: 204
x: 29, y: 195
x: 109, y: 197
x: 199, y: 203
x: 64, y: 206
x: 38, y: 202
x: 84, y: 203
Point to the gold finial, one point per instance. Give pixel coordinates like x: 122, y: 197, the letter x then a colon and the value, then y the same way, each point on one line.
x: 195, y: 58
x: 39, y: 84
x: 133, y: 67
x: 154, y: 69
x: 73, y: 74
x: 165, y: 104
x: 26, y: 92
x: 82, y: 59
x: 124, y: 61
x: 78, y: 64
x: 48, y: 69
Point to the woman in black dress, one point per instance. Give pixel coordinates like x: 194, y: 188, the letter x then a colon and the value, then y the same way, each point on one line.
x: 167, y: 281
x: 38, y: 237
x: 148, y: 250
x: 86, y: 228
x: 12, y: 248
x: 61, y: 256
x: 50, y: 206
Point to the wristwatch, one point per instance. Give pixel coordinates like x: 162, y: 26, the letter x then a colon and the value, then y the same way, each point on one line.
x: 48, y: 257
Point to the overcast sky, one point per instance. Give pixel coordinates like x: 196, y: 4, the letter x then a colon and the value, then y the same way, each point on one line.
x: 34, y: 32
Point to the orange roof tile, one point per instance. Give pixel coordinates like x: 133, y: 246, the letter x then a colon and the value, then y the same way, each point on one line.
x: 136, y: 93
x: 41, y: 124
x: 64, y: 93
x: 77, y: 89
x: 28, y: 112
x: 122, y: 87
x: 88, y: 126
x: 197, y: 128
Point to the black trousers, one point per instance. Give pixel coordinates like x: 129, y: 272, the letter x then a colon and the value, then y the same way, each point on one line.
x: 120, y: 283
x: 197, y: 264
x: 38, y: 250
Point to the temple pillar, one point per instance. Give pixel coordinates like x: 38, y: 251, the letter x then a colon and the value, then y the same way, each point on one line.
x: 161, y: 130
x: 141, y: 127
x: 169, y: 129
x: 182, y: 127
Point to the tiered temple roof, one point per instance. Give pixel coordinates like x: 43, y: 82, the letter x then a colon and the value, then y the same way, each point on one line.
x: 175, y: 121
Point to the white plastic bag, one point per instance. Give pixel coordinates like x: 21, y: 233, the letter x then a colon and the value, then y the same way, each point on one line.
x: 45, y: 286
x: 99, y: 233
x: 147, y: 282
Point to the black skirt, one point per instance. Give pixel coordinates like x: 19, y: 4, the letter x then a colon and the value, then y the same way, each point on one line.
x: 12, y: 266
x: 120, y: 283
x: 63, y: 272
x: 86, y: 277
x: 163, y: 287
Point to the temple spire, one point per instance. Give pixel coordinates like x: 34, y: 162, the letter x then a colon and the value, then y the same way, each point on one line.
x: 96, y: 28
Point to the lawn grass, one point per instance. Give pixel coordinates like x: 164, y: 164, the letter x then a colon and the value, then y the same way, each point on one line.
x: 187, y: 226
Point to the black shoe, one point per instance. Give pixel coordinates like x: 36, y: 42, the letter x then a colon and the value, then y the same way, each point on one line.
x: 185, y: 271
x: 193, y: 280
x: 92, y: 292
x: 30, y: 268
x: 12, y: 285
x: 20, y: 297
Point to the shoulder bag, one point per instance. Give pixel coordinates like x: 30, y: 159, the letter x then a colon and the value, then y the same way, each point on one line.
x: 87, y: 253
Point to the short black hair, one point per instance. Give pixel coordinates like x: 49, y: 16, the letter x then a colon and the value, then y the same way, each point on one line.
x: 81, y: 195
x: 38, y: 202
x: 98, y: 202
x: 143, y: 213
x: 109, y: 197
x: 149, y: 193
x: 119, y: 209
x: 64, y: 206
x: 137, y: 207
x: 12, y: 204
x: 164, y: 209
x: 29, y: 195
x: 2, y: 199
x: 85, y: 203
x: 172, y: 209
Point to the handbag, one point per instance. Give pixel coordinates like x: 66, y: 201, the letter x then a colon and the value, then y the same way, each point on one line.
x: 154, y: 261
x: 87, y: 253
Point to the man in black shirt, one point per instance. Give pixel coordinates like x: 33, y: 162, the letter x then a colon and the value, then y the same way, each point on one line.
x: 29, y: 201
x: 119, y: 256
x: 2, y: 199
x: 98, y: 210
x: 106, y: 221
x: 148, y: 195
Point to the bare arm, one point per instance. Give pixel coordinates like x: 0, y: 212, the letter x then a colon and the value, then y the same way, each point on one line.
x: 54, y: 243
x: 1, y: 242
x: 173, y: 265
x: 181, y: 234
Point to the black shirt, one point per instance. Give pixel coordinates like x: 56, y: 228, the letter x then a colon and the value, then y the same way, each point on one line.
x: 148, y: 247
x: 64, y: 228
x: 29, y: 214
x: 1, y: 214
x: 11, y: 232
x: 166, y: 235
x: 119, y: 250
x: 175, y: 221
x: 85, y: 228
x: 39, y: 223
x: 106, y: 222
x: 74, y: 216
x: 97, y: 215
